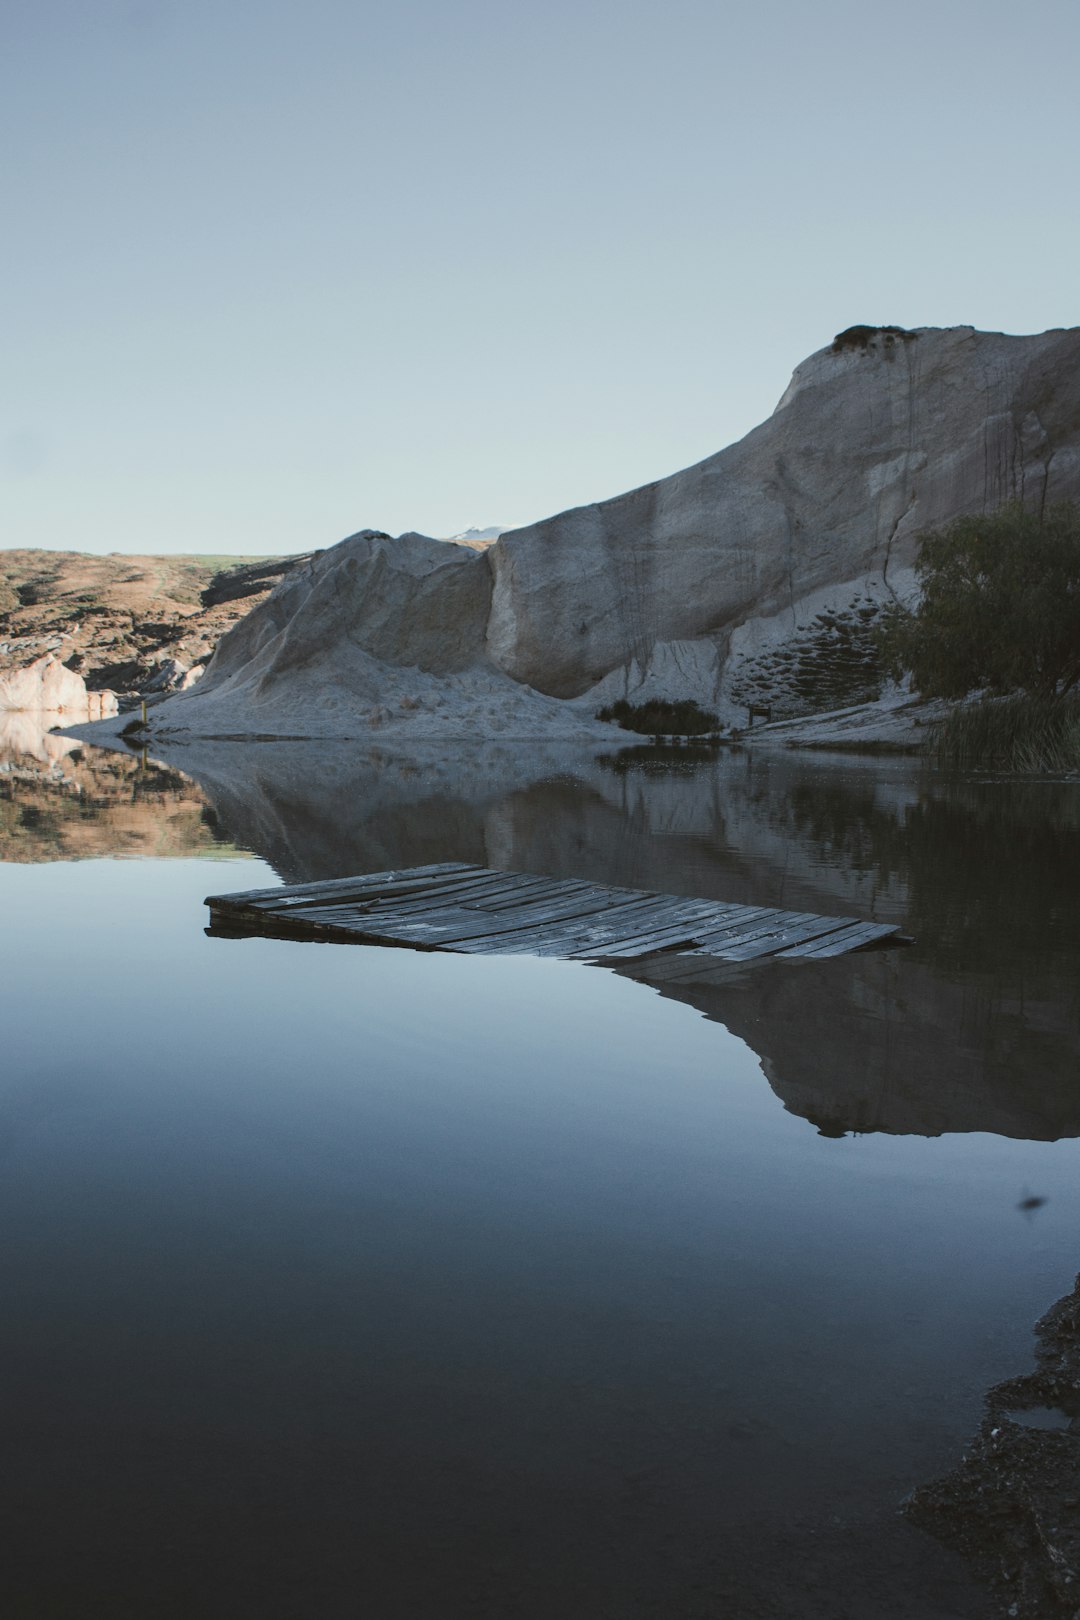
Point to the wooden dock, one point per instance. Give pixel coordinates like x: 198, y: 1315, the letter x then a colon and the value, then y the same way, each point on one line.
x: 455, y: 907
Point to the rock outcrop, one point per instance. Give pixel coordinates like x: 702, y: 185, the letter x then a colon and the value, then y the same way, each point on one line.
x: 47, y: 686
x: 373, y: 635
x: 755, y: 576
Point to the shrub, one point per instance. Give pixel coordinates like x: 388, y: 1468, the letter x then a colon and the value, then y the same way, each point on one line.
x: 861, y: 337
x: 661, y: 718
x: 1000, y: 607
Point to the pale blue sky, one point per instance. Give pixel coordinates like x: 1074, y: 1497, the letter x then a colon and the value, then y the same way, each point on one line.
x: 277, y: 271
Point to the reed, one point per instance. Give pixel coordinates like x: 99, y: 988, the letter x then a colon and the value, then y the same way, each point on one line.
x: 1021, y: 734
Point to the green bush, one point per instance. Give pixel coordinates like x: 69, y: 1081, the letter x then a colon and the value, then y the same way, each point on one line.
x: 1000, y: 607
x: 661, y: 718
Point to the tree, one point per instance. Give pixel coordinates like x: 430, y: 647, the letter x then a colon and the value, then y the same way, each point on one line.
x: 1000, y: 606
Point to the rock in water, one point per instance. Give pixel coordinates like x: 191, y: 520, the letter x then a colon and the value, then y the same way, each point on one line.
x: 755, y: 576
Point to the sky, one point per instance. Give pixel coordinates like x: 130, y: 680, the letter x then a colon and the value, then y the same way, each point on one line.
x: 278, y: 271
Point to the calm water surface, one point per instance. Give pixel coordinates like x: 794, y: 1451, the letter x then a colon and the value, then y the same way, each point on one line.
x: 355, y: 1282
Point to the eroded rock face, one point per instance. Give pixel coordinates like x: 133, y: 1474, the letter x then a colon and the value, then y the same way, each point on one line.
x: 408, y: 602
x: 374, y: 634
x: 869, y: 445
x: 755, y: 577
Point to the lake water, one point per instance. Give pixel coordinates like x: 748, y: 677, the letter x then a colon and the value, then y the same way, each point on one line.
x: 342, y: 1281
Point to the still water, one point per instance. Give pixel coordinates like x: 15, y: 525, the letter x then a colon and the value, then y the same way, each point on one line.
x: 341, y: 1281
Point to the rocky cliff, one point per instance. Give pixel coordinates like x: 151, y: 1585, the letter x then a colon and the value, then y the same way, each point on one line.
x: 755, y: 576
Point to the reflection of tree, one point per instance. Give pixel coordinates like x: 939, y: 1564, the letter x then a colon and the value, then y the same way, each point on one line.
x: 993, y: 872
x: 990, y: 868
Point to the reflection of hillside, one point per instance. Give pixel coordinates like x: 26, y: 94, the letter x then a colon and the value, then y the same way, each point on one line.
x: 59, y: 801
x: 977, y: 1028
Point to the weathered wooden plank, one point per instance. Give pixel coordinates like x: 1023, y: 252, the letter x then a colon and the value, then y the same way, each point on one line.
x: 525, y: 918
x: 844, y: 940
x: 355, y: 896
x: 463, y: 926
x: 755, y: 920
x: 774, y: 941
x: 448, y: 928
x: 658, y: 929
x: 352, y: 895
x: 556, y: 885
x: 619, y: 918
x: 476, y: 895
x: 632, y: 931
x: 454, y: 906
x: 334, y: 885
x: 663, y: 939
x: 520, y: 917
x: 503, y: 888
x: 600, y: 892
x: 737, y: 915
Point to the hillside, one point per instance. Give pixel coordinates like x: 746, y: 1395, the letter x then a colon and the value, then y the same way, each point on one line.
x: 125, y: 623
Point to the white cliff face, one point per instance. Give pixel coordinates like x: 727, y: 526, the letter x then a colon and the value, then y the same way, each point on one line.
x: 755, y: 576
x: 375, y: 635
x: 868, y: 446
x: 48, y: 687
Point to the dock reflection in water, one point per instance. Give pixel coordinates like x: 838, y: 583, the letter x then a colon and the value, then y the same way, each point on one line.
x: 975, y: 1029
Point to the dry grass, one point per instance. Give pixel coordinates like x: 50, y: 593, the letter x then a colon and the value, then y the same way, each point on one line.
x: 1023, y: 734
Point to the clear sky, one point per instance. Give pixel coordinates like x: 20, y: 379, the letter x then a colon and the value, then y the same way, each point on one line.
x: 277, y: 270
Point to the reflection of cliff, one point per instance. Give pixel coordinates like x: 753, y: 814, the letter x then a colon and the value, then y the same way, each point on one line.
x: 977, y: 1028
x: 59, y: 801
x: 716, y: 826
x: 883, y: 1041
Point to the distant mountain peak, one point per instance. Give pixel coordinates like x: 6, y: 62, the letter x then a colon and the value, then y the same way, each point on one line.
x: 472, y: 537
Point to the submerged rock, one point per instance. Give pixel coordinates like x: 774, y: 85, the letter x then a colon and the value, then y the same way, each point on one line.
x: 755, y: 577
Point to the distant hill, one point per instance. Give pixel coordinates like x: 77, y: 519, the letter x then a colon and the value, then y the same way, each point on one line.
x: 118, y: 620
x: 479, y: 538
